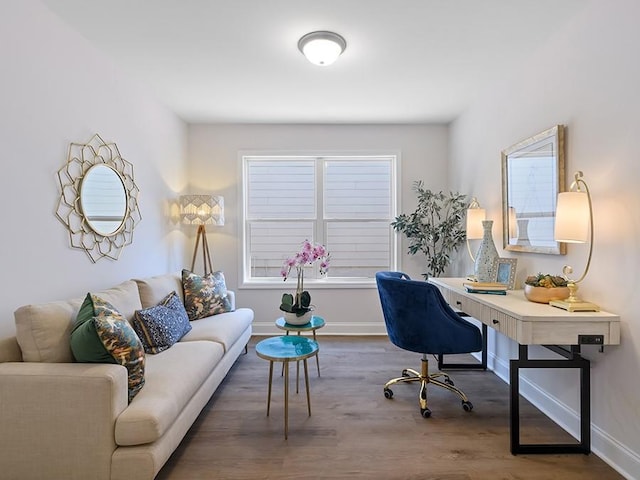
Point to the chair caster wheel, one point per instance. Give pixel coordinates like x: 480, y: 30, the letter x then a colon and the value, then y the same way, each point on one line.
x: 388, y: 393
x: 405, y: 373
x: 448, y: 381
x: 467, y: 406
x: 425, y: 412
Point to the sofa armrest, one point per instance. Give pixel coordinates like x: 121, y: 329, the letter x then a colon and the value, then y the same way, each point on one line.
x: 58, y: 419
x: 231, y: 295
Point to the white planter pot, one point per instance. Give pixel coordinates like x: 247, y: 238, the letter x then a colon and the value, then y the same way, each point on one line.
x: 293, y: 319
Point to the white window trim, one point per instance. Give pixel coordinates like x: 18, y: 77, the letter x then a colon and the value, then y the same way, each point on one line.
x: 326, y: 283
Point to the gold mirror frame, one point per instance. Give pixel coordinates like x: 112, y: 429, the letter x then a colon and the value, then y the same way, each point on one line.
x: 533, y: 173
x: 81, y: 158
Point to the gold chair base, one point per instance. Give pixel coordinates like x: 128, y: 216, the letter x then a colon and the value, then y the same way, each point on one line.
x: 425, y: 378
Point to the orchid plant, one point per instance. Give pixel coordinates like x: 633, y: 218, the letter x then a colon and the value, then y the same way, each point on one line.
x: 309, y: 254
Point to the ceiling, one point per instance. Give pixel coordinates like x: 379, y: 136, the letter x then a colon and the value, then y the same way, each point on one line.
x: 236, y: 61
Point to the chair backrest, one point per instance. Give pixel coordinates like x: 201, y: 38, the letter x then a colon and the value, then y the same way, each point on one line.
x: 418, y: 318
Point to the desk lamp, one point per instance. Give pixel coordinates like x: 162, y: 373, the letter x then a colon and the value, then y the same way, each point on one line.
x: 574, y: 224
x: 475, y: 216
x: 202, y: 210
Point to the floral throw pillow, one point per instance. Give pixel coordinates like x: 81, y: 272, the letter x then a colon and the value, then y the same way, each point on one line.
x: 204, y: 296
x: 102, y: 335
x: 161, y: 326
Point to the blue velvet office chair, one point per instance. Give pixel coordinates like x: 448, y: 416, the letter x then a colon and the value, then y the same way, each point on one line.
x: 418, y: 319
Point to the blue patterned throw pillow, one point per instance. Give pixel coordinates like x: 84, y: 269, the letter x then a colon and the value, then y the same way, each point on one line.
x: 161, y: 326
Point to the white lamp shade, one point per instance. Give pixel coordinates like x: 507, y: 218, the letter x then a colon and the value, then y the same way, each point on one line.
x: 513, y: 223
x: 202, y: 209
x: 475, y: 216
x: 322, y: 48
x: 572, y: 217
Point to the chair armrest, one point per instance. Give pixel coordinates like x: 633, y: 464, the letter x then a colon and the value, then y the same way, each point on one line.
x: 59, y: 418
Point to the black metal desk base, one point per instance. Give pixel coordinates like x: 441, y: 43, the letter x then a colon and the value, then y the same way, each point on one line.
x: 573, y: 360
x: 467, y: 366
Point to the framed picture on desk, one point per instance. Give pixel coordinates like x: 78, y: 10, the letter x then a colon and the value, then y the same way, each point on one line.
x: 505, y: 269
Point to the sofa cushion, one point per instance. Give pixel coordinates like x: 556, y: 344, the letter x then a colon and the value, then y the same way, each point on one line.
x: 204, y: 296
x: 172, y: 379
x: 103, y: 335
x: 43, y: 331
x: 154, y: 289
x: 161, y: 326
x: 224, y: 328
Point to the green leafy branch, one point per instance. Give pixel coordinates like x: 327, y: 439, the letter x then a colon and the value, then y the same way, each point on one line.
x: 435, y: 227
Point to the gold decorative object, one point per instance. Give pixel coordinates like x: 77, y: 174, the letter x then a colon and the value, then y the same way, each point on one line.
x: 544, y: 294
x: 98, y: 200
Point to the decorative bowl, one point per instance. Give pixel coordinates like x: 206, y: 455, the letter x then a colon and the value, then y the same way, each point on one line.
x: 544, y: 294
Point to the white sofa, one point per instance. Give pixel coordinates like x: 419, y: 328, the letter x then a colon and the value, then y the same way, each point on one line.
x: 66, y: 420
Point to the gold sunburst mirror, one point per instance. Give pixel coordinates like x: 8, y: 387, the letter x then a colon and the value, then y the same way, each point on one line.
x: 98, y: 200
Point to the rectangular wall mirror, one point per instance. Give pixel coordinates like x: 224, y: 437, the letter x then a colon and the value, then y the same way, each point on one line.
x: 532, y: 176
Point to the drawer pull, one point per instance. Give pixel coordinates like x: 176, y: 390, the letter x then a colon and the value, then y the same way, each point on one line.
x: 458, y: 303
x: 495, y: 322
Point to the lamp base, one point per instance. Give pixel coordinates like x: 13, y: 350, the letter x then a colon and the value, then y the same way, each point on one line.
x: 575, y: 306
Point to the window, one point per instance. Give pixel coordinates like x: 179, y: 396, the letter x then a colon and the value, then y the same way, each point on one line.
x: 344, y: 202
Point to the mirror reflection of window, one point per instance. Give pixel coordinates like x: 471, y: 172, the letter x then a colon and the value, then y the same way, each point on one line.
x: 532, y: 193
x: 103, y: 199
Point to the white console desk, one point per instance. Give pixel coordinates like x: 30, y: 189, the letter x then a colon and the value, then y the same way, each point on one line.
x: 531, y: 323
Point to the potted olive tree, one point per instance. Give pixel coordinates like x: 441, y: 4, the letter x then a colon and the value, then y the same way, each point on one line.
x: 435, y: 228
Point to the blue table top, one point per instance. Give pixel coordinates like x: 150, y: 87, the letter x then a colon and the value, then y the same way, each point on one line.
x: 289, y: 347
x: 315, y: 323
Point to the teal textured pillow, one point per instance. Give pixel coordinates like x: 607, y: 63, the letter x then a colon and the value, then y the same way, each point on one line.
x: 102, y: 335
x: 161, y: 326
x: 204, y: 296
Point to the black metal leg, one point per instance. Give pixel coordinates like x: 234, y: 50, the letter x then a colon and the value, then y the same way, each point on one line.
x: 573, y: 360
x: 514, y: 409
x: 467, y: 366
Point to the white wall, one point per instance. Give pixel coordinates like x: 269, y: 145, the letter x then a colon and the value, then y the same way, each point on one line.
x: 214, y: 168
x: 56, y: 89
x: 586, y: 77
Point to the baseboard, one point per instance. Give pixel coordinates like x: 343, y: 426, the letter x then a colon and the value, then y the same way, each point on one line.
x: 615, y: 454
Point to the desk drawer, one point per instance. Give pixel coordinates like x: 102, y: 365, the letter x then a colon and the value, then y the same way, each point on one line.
x: 503, y: 323
x: 467, y: 305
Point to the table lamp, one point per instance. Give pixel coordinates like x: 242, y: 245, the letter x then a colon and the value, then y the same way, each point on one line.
x: 574, y: 224
x: 475, y: 216
x: 202, y: 210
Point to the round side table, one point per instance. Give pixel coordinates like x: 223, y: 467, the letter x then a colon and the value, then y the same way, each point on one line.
x: 286, y: 349
x: 314, y: 324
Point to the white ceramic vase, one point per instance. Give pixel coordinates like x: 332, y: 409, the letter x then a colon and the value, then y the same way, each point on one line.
x: 486, y: 256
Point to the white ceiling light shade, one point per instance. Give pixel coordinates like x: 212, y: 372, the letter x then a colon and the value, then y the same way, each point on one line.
x: 322, y: 48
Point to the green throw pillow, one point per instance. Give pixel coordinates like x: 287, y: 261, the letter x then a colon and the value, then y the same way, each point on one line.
x: 102, y: 335
x: 204, y: 296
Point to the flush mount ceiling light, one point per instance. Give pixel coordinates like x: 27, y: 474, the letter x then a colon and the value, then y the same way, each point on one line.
x: 322, y: 48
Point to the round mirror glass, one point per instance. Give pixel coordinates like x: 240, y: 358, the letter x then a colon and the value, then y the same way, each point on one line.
x: 103, y: 199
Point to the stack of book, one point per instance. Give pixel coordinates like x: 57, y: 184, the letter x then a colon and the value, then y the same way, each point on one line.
x: 493, y: 288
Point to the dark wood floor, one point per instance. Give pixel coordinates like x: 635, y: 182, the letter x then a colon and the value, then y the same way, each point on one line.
x: 354, y: 432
